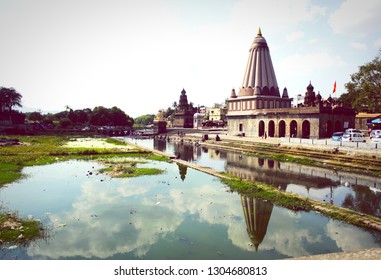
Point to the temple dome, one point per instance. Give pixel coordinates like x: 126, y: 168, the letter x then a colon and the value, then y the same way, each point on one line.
x: 259, y: 75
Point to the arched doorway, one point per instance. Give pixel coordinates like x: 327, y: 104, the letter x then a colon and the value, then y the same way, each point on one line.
x: 293, y: 129
x: 261, y: 129
x: 282, y: 129
x: 271, y: 130
x: 329, y: 131
x: 306, y: 129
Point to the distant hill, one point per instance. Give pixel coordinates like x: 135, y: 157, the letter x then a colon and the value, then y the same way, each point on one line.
x: 26, y: 109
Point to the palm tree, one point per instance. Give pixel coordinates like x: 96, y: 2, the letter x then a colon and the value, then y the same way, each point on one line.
x: 9, y: 98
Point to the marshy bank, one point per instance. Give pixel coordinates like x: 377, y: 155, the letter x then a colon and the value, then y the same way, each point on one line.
x: 18, y: 153
x: 83, y: 195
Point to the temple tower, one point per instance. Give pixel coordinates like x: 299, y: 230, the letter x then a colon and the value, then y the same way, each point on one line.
x: 184, y: 112
x: 259, y: 78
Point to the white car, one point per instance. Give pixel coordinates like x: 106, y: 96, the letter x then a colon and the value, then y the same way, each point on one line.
x: 353, y: 137
x: 374, y: 133
x: 351, y: 130
x: 376, y: 138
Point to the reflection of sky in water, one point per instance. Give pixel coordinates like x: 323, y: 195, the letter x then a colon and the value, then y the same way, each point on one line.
x: 357, y: 192
x: 161, y: 217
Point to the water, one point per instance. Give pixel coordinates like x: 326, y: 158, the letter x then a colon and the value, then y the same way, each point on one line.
x: 353, y: 191
x: 180, y: 214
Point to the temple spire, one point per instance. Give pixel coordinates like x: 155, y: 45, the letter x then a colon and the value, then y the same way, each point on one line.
x: 259, y: 78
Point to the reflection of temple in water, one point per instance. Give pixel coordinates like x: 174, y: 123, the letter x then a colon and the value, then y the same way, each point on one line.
x: 283, y: 173
x: 159, y: 144
x: 182, y: 170
x: 257, y: 216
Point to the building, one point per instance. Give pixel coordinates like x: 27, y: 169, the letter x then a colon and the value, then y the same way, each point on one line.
x: 217, y: 112
x: 260, y: 110
x: 184, y: 112
x: 159, y: 123
x: 364, y: 120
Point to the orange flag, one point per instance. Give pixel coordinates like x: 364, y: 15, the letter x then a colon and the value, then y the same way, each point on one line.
x: 334, y: 87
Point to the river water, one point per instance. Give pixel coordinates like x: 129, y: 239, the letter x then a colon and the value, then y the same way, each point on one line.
x: 361, y: 193
x: 179, y: 214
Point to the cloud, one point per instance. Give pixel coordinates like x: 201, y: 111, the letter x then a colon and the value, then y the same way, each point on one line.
x: 279, y: 13
x: 356, y: 18
x: 308, y: 63
x: 294, y: 36
x: 358, y: 45
x: 377, y: 43
x: 349, y: 238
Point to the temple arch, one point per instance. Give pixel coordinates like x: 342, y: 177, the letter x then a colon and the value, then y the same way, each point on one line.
x: 306, y: 129
x: 271, y: 129
x: 282, y: 129
x: 261, y: 129
x: 293, y: 129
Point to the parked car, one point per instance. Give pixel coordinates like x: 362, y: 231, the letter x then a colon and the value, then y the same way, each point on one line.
x: 353, y: 137
x: 336, y: 136
x: 349, y: 130
x: 376, y: 138
x: 374, y: 133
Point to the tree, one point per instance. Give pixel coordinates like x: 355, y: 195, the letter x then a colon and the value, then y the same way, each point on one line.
x: 144, y: 119
x: 118, y: 117
x: 9, y: 98
x: 100, y: 116
x: 35, y: 117
x: 364, y: 89
x: 65, y: 123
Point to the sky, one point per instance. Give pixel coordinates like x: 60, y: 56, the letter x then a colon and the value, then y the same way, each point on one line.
x: 139, y: 55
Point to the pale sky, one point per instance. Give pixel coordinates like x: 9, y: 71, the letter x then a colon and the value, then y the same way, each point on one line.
x: 139, y: 55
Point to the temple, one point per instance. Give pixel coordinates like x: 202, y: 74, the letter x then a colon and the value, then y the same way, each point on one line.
x: 184, y: 112
x: 260, y: 110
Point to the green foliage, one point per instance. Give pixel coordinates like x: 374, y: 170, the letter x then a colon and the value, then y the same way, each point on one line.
x: 38, y: 150
x: 65, y: 122
x: 145, y: 119
x: 19, y: 231
x: 102, y: 116
x: 35, y: 116
x: 115, y: 141
x: 268, y: 192
x: 9, y: 98
x: 9, y: 172
x: 364, y: 89
x: 130, y: 170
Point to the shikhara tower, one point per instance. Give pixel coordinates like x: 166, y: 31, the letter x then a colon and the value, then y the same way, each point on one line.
x: 259, y: 87
x: 260, y: 109
x: 259, y: 78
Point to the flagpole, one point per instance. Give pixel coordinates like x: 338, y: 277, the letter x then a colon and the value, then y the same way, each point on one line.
x: 334, y: 88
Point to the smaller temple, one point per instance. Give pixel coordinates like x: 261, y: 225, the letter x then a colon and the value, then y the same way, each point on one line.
x: 184, y: 112
x: 198, y: 118
x: 159, y: 123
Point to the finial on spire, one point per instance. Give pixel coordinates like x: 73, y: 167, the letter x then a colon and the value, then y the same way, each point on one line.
x: 259, y: 31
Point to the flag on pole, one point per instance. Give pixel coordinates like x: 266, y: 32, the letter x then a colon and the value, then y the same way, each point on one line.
x: 334, y: 87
